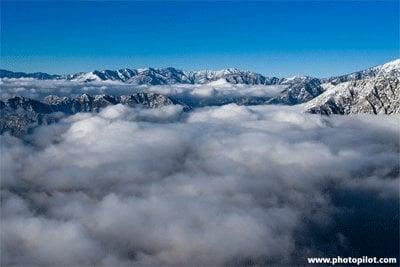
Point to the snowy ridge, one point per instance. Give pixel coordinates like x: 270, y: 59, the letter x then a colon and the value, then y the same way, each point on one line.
x: 164, y: 76
x: 375, y: 91
x: 392, y: 67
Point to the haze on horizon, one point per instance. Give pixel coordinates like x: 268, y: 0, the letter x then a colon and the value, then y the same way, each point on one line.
x: 272, y: 38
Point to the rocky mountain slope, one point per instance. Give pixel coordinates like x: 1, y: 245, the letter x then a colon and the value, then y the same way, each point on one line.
x: 375, y: 91
x: 298, y: 89
x: 20, y: 115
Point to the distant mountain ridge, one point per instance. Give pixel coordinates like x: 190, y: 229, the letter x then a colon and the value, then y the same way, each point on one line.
x: 36, y: 75
x: 153, y: 76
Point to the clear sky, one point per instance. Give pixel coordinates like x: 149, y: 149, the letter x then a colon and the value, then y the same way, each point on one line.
x: 282, y: 38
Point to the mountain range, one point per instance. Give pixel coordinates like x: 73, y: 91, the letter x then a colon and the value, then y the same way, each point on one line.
x: 296, y: 90
x: 375, y: 90
x: 152, y: 76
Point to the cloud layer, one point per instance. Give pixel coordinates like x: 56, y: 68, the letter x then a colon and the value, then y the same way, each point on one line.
x: 219, y: 185
x: 218, y: 92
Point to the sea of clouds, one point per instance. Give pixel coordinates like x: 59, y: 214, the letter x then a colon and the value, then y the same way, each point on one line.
x: 229, y: 185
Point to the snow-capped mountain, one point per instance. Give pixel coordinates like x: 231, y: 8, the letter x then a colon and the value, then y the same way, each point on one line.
x: 375, y: 91
x: 298, y: 89
x: 233, y: 76
x: 148, y: 76
x: 391, y: 68
x: 19, y: 114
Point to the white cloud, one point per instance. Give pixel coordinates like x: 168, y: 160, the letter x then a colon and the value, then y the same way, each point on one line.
x: 219, y: 185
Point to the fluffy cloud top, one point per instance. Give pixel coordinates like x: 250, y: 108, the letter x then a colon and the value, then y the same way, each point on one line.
x: 219, y: 185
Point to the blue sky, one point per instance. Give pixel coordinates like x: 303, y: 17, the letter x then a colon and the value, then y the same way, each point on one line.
x: 282, y: 38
